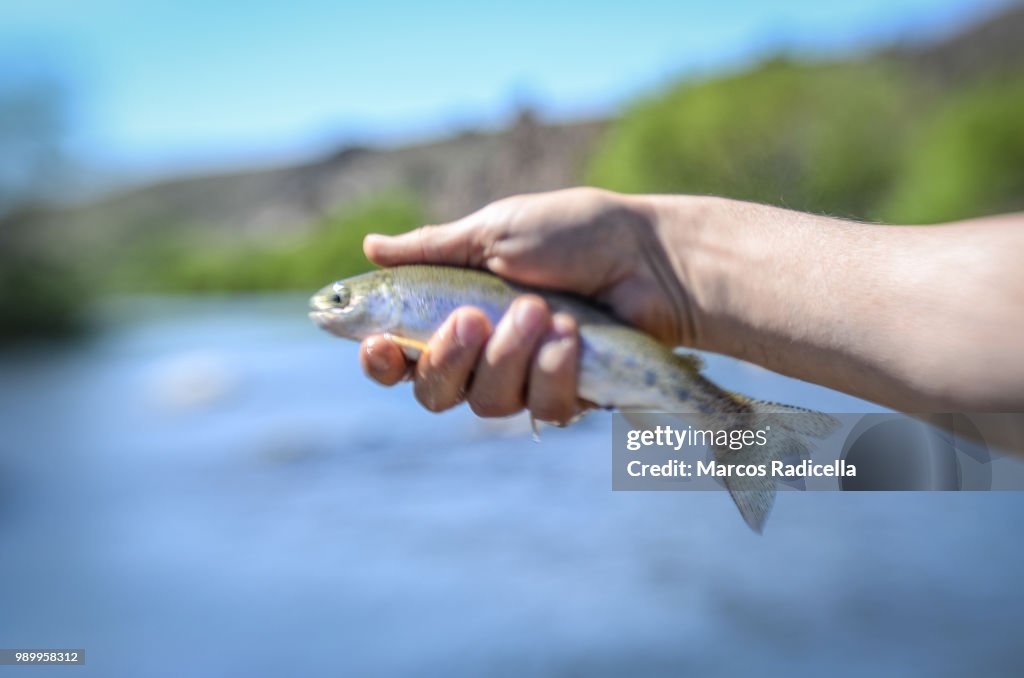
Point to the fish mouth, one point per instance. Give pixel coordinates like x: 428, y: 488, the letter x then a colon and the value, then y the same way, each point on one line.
x: 327, y: 320
x: 320, y: 317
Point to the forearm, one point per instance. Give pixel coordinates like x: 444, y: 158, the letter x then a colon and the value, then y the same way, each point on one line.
x: 917, y: 318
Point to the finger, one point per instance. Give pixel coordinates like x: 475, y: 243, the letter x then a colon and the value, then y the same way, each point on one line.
x: 500, y: 379
x: 382, y: 360
x: 552, y: 390
x: 456, y: 244
x: 444, y: 369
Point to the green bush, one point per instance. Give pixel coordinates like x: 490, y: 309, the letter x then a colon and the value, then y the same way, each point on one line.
x: 332, y: 249
x: 819, y: 137
x: 966, y: 160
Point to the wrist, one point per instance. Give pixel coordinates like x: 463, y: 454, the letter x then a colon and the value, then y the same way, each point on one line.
x: 700, y: 246
x: 658, y: 294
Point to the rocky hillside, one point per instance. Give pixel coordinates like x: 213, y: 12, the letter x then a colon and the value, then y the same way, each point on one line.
x: 993, y: 48
x: 451, y: 177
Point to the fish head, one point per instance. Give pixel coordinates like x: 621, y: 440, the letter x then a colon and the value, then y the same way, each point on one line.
x: 355, y: 308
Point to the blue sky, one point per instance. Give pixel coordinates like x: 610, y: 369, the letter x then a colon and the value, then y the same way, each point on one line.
x: 162, y: 86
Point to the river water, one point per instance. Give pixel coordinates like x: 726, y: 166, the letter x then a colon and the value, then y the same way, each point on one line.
x: 210, y: 487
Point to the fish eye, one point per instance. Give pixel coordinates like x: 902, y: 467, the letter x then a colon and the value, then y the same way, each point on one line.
x: 341, y: 296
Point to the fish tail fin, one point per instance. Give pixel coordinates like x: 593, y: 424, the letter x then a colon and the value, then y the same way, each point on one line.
x: 754, y: 495
x: 798, y: 420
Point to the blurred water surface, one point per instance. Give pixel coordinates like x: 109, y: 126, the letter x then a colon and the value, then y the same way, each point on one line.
x: 210, y: 487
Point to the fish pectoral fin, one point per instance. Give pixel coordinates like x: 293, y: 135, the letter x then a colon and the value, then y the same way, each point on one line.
x: 410, y: 347
x: 639, y: 419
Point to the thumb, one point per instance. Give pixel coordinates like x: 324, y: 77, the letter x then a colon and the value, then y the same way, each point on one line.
x: 455, y: 244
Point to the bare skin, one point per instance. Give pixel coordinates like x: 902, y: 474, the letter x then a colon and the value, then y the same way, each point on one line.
x: 918, y: 318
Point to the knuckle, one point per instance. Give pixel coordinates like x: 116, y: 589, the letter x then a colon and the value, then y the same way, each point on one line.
x: 427, y: 231
x: 469, y: 329
x: 584, y: 192
x: 501, y: 353
x: 427, y: 237
x: 509, y: 201
x: 444, y: 358
x: 444, y: 351
x: 523, y: 324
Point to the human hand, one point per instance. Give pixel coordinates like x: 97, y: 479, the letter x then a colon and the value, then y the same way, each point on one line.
x: 590, y: 242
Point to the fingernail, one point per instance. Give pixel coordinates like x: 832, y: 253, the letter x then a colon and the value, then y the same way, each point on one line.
x: 468, y: 331
x: 552, y: 356
x: 559, y: 343
x: 528, y: 317
x: 563, y: 326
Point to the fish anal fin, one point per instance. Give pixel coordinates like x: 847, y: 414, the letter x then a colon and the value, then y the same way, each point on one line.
x: 649, y: 419
x: 754, y: 497
x: 753, y: 494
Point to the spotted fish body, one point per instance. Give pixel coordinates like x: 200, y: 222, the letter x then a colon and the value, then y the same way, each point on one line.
x: 620, y: 367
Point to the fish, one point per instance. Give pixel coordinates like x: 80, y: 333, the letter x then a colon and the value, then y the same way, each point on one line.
x: 620, y: 367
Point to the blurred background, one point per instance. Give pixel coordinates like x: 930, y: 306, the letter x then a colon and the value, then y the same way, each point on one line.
x: 193, y: 479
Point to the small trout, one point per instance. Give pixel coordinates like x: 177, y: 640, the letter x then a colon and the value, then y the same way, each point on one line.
x: 620, y: 367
